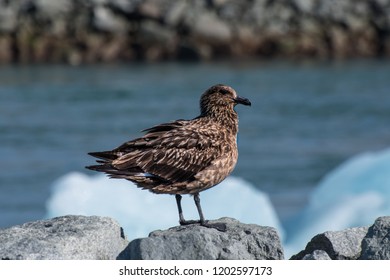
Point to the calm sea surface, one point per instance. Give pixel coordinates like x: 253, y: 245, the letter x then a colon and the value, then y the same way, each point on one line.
x: 305, y: 119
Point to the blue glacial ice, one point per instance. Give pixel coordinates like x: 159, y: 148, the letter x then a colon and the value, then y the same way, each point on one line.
x: 354, y: 194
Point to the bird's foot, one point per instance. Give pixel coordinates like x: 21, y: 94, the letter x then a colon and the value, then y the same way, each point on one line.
x: 188, y: 222
x: 218, y: 226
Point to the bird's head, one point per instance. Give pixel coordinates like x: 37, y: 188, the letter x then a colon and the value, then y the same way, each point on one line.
x: 220, y: 99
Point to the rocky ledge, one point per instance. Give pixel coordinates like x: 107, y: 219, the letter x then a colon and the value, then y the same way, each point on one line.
x: 126, y: 30
x: 80, y: 237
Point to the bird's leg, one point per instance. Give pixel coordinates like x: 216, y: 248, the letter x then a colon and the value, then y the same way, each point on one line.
x: 178, y: 202
x: 182, y: 221
x: 197, y: 203
x: 203, y: 222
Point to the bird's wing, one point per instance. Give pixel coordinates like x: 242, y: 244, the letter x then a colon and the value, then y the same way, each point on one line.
x: 153, y: 133
x: 174, y: 152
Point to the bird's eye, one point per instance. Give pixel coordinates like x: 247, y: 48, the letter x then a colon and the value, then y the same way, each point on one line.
x: 224, y: 91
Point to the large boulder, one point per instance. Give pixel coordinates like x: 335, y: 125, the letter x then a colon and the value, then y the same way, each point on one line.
x: 335, y: 245
x: 376, y: 244
x: 360, y: 243
x: 239, y: 241
x: 61, y: 238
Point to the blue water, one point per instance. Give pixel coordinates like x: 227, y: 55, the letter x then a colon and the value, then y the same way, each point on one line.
x: 306, y: 119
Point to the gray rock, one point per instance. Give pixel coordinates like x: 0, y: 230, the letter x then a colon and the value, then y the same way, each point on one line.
x: 153, y: 32
x: 54, y: 8
x: 176, y: 13
x: 240, y: 241
x: 306, y: 6
x: 106, y: 20
x: 317, y: 255
x: 339, y: 245
x: 376, y: 244
x: 8, y: 19
x: 67, y: 237
x: 210, y: 27
x: 125, y: 6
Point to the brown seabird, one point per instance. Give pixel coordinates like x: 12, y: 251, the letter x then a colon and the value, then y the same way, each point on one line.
x: 183, y: 156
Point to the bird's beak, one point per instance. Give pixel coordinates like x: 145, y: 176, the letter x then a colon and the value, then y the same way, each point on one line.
x: 242, y: 100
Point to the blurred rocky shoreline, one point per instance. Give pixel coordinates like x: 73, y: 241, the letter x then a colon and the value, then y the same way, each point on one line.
x: 90, y: 31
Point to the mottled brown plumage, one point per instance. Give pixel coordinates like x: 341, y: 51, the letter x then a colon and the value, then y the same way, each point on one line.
x: 184, y: 156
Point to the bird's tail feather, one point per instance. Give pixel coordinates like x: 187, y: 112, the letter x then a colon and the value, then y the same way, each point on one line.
x: 100, y: 168
x: 106, y: 155
x: 109, y: 169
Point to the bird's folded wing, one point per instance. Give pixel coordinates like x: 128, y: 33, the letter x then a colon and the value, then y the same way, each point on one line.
x: 171, y: 152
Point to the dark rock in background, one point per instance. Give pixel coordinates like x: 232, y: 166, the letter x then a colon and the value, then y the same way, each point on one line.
x: 128, y: 30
